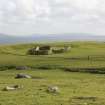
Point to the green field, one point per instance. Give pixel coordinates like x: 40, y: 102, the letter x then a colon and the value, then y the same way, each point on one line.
x: 79, y: 74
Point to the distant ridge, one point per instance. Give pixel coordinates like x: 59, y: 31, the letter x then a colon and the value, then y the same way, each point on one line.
x: 6, y: 39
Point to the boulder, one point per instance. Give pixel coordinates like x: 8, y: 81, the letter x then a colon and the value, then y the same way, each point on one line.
x: 22, y: 68
x: 22, y: 76
x: 10, y: 88
x: 53, y: 89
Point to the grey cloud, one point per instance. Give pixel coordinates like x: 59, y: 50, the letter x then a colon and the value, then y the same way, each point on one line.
x: 54, y: 13
x: 20, y: 10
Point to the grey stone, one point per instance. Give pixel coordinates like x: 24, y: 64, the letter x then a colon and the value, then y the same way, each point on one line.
x: 53, y: 89
x: 22, y: 68
x: 11, y: 88
x: 23, y: 76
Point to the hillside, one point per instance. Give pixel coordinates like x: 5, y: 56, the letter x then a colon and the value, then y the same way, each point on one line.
x: 7, y: 39
x: 76, y: 57
x: 79, y: 75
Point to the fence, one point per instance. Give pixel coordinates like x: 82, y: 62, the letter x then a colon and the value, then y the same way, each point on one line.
x: 89, y: 57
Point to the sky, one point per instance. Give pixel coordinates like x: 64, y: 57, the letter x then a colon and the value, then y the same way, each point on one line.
x: 27, y: 17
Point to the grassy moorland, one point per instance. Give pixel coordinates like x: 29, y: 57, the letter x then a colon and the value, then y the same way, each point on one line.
x: 77, y: 57
x: 84, y: 86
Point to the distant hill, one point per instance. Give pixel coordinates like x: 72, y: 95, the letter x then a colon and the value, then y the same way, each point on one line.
x: 6, y: 39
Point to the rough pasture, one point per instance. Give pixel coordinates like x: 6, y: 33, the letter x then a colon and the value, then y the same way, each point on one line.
x: 79, y: 74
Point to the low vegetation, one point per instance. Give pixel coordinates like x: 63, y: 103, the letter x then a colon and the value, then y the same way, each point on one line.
x: 74, y: 88
x: 78, y: 75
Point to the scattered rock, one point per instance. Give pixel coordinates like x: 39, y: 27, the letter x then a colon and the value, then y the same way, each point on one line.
x: 85, y: 98
x: 53, y: 89
x: 22, y: 68
x: 22, y: 76
x: 10, y: 88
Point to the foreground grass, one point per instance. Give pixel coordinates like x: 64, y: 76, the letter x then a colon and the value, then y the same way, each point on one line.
x: 75, y: 88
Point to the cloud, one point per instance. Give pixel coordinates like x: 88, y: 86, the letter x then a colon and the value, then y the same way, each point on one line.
x: 53, y: 12
x: 25, y: 10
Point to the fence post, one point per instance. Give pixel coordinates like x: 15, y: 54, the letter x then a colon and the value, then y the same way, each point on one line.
x: 88, y: 57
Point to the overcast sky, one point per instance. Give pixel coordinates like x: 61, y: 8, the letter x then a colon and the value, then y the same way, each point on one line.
x: 26, y: 17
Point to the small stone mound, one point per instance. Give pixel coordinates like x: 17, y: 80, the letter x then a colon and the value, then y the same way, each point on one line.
x: 19, y: 76
x: 53, y: 89
x: 85, y: 98
x: 22, y: 68
x: 11, y: 88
